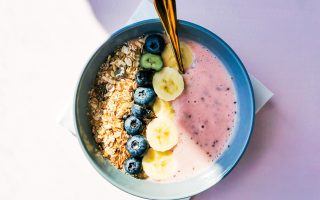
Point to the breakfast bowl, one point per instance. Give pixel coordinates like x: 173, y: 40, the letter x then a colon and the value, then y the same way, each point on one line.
x: 228, y: 159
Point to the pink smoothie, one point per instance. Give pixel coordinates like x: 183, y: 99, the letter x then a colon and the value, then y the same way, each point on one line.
x: 204, y: 113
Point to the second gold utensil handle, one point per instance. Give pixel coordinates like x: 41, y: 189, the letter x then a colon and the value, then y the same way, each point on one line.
x: 166, y: 10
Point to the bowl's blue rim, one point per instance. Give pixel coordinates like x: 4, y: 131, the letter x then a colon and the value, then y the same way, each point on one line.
x: 183, y: 22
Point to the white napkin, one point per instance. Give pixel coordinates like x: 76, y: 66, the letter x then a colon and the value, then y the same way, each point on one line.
x: 145, y: 10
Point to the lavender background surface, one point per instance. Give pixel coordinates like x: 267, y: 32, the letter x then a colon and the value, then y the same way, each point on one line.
x: 278, y: 41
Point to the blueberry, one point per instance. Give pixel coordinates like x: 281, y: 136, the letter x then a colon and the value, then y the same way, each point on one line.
x: 137, y: 145
x: 154, y: 44
x: 133, y: 125
x: 133, y: 165
x: 139, y: 111
x: 144, y: 77
x: 144, y: 96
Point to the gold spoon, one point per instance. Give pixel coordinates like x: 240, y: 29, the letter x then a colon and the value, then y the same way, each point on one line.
x: 166, y: 10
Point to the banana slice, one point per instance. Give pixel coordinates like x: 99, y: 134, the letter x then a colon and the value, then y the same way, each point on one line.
x: 162, y: 134
x: 168, y: 84
x: 158, y: 165
x: 163, y: 108
x: 169, y: 59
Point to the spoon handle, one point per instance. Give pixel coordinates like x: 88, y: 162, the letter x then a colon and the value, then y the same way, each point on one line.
x: 166, y: 10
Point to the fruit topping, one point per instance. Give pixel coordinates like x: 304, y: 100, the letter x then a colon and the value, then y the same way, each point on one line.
x: 140, y: 112
x: 154, y: 44
x: 144, y: 77
x: 163, y: 108
x: 144, y: 96
x: 168, y: 84
x: 162, y: 134
x: 159, y: 165
x: 133, y: 125
x: 151, y: 61
x: 169, y: 60
x: 137, y: 146
x: 133, y: 165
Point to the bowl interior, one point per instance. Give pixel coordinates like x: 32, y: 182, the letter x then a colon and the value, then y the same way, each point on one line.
x: 222, y: 166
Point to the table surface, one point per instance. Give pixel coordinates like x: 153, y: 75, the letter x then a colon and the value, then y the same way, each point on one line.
x: 278, y: 41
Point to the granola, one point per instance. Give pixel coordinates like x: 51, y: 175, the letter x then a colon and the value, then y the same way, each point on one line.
x: 111, y: 99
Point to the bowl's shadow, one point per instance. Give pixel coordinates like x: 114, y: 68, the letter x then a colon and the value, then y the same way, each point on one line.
x: 113, y: 15
x: 257, y: 146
